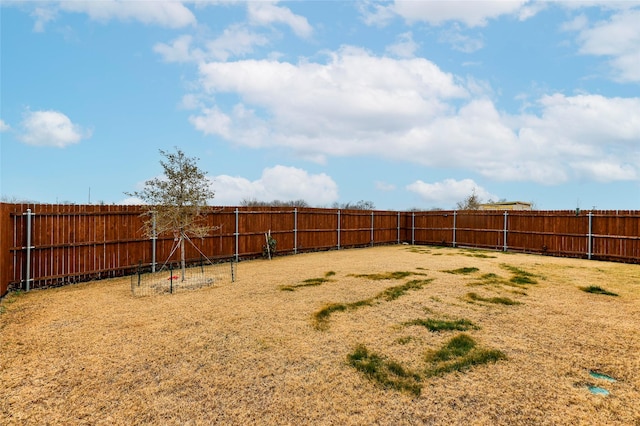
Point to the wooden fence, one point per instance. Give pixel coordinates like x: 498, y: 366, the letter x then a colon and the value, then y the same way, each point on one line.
x: 48, y: 245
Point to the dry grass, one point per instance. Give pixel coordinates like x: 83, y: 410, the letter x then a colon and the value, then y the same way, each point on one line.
x: 248, y: 353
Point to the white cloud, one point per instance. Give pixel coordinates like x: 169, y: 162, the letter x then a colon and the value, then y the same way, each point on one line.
x: 448, y: 192
x: 617, y: 38
x: 405, y: 47
x: 51, y: 128
x: 179, y: 50
x: 315, y: 105
x: 170, y: 14
x: 4, y: 126
x: 276, y: 183
x: 235, y: 41
x: 459, y: 41
x: 131, y: 201
x: 384, y: 186
x: 212, y: 122
x: 42, y: 16
x: 410, y: 110
x: 266, y: 13
x: 471, y: 13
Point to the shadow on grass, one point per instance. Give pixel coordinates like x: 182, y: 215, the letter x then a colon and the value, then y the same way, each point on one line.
x: 598, y: 290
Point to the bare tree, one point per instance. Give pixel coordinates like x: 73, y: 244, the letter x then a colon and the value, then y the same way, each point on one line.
x: 471, y: 202
x: 252, y: 202
x: 177, y: 200
x: 360, y: 205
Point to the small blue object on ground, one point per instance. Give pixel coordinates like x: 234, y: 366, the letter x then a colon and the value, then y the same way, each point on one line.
x: 598, y: 390
x: 601, y: 376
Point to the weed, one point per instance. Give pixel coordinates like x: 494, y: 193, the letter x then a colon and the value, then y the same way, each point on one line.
x: 496, y: 300
x: 597, y: 290
x: 436, y: 325
x: 329, y: 274
x: 463, y: 271
x: 389, y: 374
x: 461, y: 352
x: 404, y: 340
x: 9, y: 299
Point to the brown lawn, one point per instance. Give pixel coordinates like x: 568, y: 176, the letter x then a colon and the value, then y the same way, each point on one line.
x: 251, y: 353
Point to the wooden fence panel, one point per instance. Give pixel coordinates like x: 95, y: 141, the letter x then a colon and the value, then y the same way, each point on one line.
x: 616, y: 235
x: 355, y: 228
x: 386, y: 226
x: 434, y: 227
x: 317, y: 229
x: 484, y: 230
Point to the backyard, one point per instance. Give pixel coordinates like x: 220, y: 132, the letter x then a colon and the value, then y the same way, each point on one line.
x: 384, y: 335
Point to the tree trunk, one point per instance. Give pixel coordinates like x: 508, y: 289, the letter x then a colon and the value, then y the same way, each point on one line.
x: 182, y: 262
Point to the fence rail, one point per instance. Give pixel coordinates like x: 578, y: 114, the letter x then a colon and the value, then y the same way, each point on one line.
x: 47, y: 245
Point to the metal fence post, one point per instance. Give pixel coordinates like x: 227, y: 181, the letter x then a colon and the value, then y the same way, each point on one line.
x: 295, y: 230
x: 589, y: 236
x: 338, y: 229
x: 372, y: 235
x: 170, y: 278
x: 28, y: 272
x: 154, y: 238
x: 398, y: 227
x: 237, y: 235
x: 504, y: 239
x: 455, y: 214
x: 413, y: 228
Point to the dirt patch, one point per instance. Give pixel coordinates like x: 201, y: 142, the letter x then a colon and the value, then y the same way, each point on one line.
x: 248, y: 352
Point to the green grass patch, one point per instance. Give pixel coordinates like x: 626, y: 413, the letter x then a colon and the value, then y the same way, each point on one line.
x: 389, y: 374
x: 520, y: 276
x: 474, y: 297
x: 309, y: 282
x: 463, y: 271
x: 598, y: 290
x: 397, y: 275
x: 437, y: 325
x: 392, y: 293
x: 458, y: 354
x: 482, y: 256
x: 321, y: 317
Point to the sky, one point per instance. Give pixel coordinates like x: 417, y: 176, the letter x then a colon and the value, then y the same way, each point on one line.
x: 407, y: 104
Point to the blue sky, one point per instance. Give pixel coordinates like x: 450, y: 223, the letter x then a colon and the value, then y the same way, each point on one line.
x: 409, y: 104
